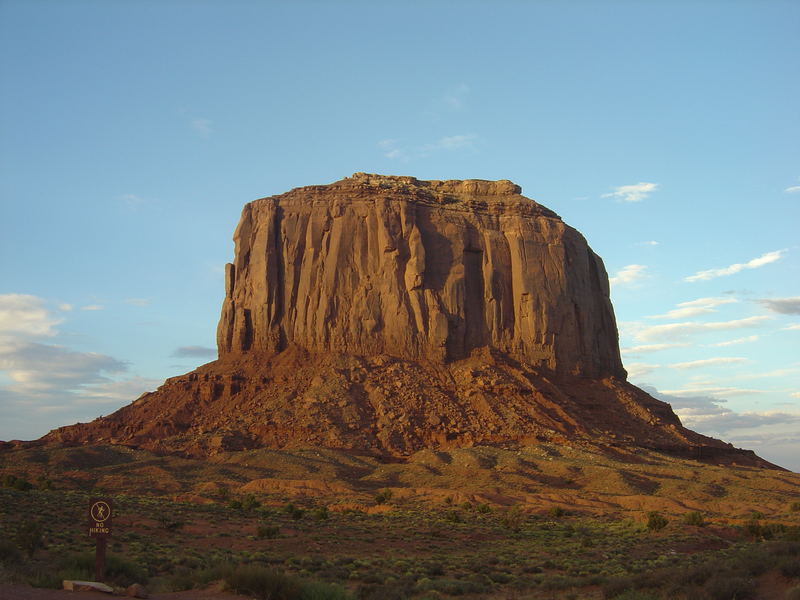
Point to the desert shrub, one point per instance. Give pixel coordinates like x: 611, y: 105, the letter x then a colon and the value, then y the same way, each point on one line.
x: 454, y: 516
x: 727, y: 587
x: 265, y: 531
x: 320, y: 513
x: 513, y: 519
x: 16, y: 483
x: 695, y: 519
x: 30, y: 537
x: 262, y: 583
x: 295, y: 512
x: 656, y: 521
x: 250, y: 502
x: 317, y: 590
x: 119, y: 570
x: 794, y: 507
x: 556, y: 512
x: 483, y: 509
x: 383, y: 496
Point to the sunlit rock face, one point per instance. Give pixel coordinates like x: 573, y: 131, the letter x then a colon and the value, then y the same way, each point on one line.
x: 419, y: 270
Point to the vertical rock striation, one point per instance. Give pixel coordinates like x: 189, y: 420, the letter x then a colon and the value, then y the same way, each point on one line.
x: 418, y: 270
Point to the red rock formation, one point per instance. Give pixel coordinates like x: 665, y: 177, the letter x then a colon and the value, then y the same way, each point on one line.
x: 386, y: 314
x: 419, y: 270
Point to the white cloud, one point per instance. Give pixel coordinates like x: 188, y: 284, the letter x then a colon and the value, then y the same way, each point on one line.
x: 695, y: 307
x: 764, y: 259
x: 393, y: 149
x: 636, y: 370
x: 681, y: 330
x: 452, y: 142
x: 645, y: 348
x: 708, y: 362
x: 795, y: 189
x: 202, y: 126
x: 632, y: 193
x: 795, y: 394
x: 22, y: 314
x: 716, y: 392
x: 93, y: 307
x: 648, y: 243
x: 456, y: 98
x: 792, y: 327
x: 629, y: 274
x: 138, y: 301
x: 784, y: 306
x: 737, y: 341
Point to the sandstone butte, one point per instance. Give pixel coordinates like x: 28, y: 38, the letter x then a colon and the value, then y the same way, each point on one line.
x: 384, y: 315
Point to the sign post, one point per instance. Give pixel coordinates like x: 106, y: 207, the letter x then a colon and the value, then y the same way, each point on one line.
x: 100, y: 513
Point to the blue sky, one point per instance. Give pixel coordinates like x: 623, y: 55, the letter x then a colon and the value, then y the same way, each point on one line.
x: 131, y: 134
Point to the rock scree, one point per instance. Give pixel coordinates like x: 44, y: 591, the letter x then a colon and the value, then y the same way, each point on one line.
x: 385, y: 314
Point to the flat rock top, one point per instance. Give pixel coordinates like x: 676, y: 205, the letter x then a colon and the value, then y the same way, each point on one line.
x: 479, y: 195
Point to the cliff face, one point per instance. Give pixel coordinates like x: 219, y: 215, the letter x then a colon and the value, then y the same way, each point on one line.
x: 419, y: 270
x: 387, y: 315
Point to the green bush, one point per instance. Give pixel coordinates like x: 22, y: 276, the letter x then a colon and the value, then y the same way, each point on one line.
x: 556, y: 512
x: 794, y: 507
x: 656, y: 521
x: 513, y: 519
x: 695, y: 519
x: 321, y: 513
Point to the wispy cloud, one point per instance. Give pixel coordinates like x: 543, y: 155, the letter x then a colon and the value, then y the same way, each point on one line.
x: 792, y: 327
x: 681, y: 330
x: 93, y: 307
x: 784, y: 306
x: 632, y: 193
x: 137, y: 301
x: 694, y: 308
x: 794, y: 189
x: 395, y: 150
x: 202, y: 126
x: 636, y: 370
x: 708, y: 362
x: 451, y: 143
x: 456, y: 98
x: 742, y: 340
x: 650, y: 243
x: 629, y: 274
x: 764, y: 259
x: 646, y: 348
x: 195, y: 352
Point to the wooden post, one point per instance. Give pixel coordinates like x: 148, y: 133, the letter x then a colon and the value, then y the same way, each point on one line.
x: 100, y: 559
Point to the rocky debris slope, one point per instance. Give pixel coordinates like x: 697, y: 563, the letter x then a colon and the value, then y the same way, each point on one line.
x: 386, y: 314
